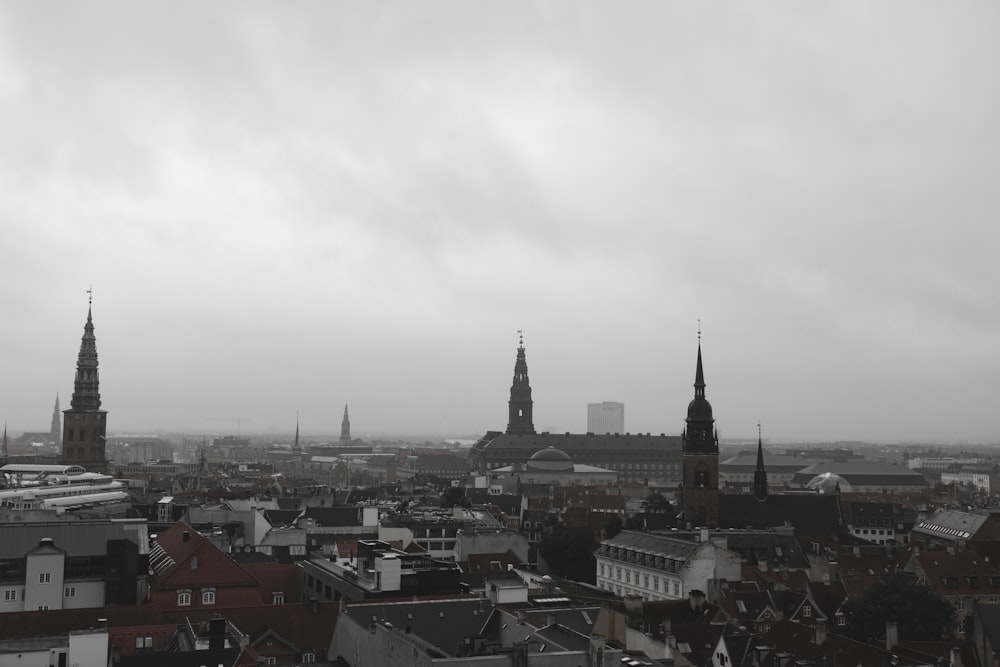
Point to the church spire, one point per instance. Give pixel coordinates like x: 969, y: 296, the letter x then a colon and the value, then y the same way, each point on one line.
x: 57, y: 423
x: 759, y: 473
x: 295, y: 446
x: 85, y: 423
x: 4, y: 452
x: 345, y: 427
x: 86, y: 386
x: 520, y: 404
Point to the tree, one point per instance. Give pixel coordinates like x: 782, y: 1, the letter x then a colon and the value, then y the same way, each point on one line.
x: 454, y: 495
x: 612, y: 526
x: 919, y: 612
x: 657, y: 502
x: 569, y: 553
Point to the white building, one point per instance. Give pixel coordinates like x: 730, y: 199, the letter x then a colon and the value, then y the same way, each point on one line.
x: 606, y: 417
x: 659, y: 566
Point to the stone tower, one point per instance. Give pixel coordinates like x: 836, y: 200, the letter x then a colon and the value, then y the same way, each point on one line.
x: 85, y: 424
x: 345, y: 427
x: 520, y: 395
x: 57, y: 424
x: 700, y: 458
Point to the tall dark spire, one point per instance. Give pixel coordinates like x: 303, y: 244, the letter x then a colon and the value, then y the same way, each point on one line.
x: 4, y: 452
x: 85, y: 423
x: 86, y: 386
x: 699, y: 435
x: 520, y: 404
x: 295, y: 446
x: 700, y: 456
x: 57, y: 423
x: 345, y: 427
x: 759, y: 473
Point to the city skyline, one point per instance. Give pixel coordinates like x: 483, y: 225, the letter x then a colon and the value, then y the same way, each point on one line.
x: 287, y: 210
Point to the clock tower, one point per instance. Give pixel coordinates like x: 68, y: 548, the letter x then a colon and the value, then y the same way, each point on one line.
x: 700, y: 458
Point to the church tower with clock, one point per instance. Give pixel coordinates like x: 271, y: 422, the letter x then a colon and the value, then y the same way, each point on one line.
x: 700, y: 458
x: 85, y: 424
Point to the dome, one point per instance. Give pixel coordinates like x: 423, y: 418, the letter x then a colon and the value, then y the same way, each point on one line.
x: 700, y: 409
x: 829, y: 482
x: 550, y: 458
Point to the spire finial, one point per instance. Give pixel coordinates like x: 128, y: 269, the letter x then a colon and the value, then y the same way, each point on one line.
x: 758, y: 430
x: 520, y: 337
x: 90, y: 295
x: 699, y: 331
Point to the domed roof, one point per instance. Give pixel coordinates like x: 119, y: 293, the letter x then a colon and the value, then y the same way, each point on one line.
x: 550, y: 458
x: 550, y: 453
x: 700, y: 410
x: 829, y: 482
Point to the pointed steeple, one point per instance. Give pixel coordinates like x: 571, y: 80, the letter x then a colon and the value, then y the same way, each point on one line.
x: 86, y: 386
x: 699, y: 434
x: 759, y: 473
x: 4, y: 452
x: 345, y: 427
x: 85, y: 423
x: 295, y: 447
x: 520, y: 404
x: 57, y: 423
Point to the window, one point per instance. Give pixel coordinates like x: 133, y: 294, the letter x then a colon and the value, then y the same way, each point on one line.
x: 184, y: 598
x: 308, y: 656
x: 278, y: 598
x: 70, y: 592
x: 841, y: 620
x: 807, y: 611
x: 270, y: 661
x: 10, y: 595
x: 144, y: 642
x: 208, y: 596
x: 43, y: 607
x: 44, y: 578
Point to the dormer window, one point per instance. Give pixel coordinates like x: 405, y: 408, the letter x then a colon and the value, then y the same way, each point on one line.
x: 807, y: 611
x: 183, y: 598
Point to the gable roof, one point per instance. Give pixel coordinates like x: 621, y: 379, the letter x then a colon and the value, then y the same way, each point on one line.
x: 193, y: 561
x: 441, y: 623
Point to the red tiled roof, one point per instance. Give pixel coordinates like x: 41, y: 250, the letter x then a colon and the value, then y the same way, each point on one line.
x: 958, y: 572
x: 309, y: 626
x: 212, y: 568
x: 277, y: 577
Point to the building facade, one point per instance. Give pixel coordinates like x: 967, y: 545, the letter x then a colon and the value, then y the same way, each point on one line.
x: 659, y: 566
x: 606, y: 417
x: 644, y: 458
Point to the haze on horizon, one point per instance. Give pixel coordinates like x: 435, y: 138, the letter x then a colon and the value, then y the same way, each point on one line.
x: 288, y: 208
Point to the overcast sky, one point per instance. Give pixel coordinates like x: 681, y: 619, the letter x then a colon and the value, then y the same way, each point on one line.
x: 286, y: 207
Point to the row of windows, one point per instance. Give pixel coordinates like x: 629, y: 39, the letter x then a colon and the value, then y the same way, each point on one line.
x: 671, y: 587
x: 184, y: 597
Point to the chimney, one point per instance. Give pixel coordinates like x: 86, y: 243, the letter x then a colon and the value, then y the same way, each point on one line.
x: 955, y: 658
x: 697, y: 599
x: 891, y: 635
x: 820, y: 632
x: 633, y: 605
x: 703, y: 535
x: 217, y: 633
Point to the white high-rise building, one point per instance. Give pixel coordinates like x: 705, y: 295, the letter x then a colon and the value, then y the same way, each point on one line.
x: 606, y: 417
